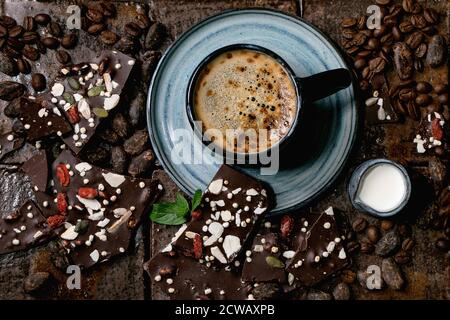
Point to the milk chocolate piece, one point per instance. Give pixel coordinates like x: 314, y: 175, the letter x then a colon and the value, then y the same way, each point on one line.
x: 93, y: 90
x: 10, y: 142
x: 183, y: 278
x: 103, y: 209
x: 231, y: 206
x: 321, y: 252
x: 23, y: 228
x: 381, y: 111
x: 42, y: 119
x: 264, y: 260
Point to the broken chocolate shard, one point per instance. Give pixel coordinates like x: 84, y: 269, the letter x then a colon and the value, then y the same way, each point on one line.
x: 379, y: 109
x: 41, y: 119
x: 23, y: 229
x: 89, y: 91
x: 433, y: 133
x: 10, y: 142
x: 321, y: 251
x: 231, y: 207
x: 264, y: 260
x: 37, y: 169
x: 177, y: 277
x: 109, y: 206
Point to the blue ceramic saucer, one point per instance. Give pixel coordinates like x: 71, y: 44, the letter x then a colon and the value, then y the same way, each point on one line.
x: 327, y: 132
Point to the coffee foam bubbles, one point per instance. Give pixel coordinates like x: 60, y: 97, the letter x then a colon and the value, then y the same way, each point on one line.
x: 245, y: 90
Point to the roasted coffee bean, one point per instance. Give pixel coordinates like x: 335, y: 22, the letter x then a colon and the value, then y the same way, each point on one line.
x: 15, y: 44
x: 9, y: 90
x: 373, y: 43
x: 403, y: 61
x: 7, y: 65
x: 418, y: 21
x: 359, y: 39
x: 348, y: 33
x: 383, y: 2
x: 15, y: 31
x: 50, y: 42
x: 108, y: 9
x: 31, y: 53
x: 406, y: 94
x: 360, y: 63
x: 406, y: 26
x: 348, y: 276
x: 431, y: 16
x: 440, y: 88
x: 96, y: 28
x: 109, y: 37
x: 359, y: 224
x: 423, y: 87
x: 12, y: 109
x: 377, y: 33
x: 366, y: 247
x: 141, y: 164
x: 396, y: 33
x: 430, y: 30
x: 387, y: 39
x: 136, y: 112
x: 421, y: 50
x: 352, y: 50
x: 390, y: 21
x: 348, y: 22
x: 386, y: 225
x: 155, y: 36
x: 395, y: 10
x: 414, y: 40
x: 346, y: 43
x: 352, y: 247
x: 361, y: 22
x: 437, y: 51
x: 127, y: 45
x: 7, y: 21
x: 372, y: 234
x: 40, y: 46
x: 54, y: 29
x: 30, y: 37
x: 12, y: 53
x: 364, y: 85
x: 143, y: 21
x: 413, y: 110
x: 443, y: 98
x: 410, y: 6
x: 28, y: 23
x: 443, y: 244
x: 366, y: 73
x: 3, y: 31
x: 42, y: 18
x: 399, y: 107
x: 377, y: 65
x: 121, y: 126
x: 402, y: 257
x: 23, y: 66
x: 422, y: 100
x: 136, y: 143
x: 69, y: 41
x: 38, y: 82
x: 63, y: 57
x: 408, y: 244
x: 133, y: 29
x: 94, y: 15
x: 418, y: 65
x: 363, y: 54
x: 119, y: 160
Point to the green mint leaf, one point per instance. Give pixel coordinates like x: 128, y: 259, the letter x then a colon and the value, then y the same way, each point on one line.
x: 196, y: 199
x: 170, y: 213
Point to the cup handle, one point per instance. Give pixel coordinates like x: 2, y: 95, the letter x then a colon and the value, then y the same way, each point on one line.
x: 323, y: 84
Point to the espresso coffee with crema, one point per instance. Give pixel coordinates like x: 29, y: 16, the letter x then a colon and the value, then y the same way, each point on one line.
x: 245, y: 91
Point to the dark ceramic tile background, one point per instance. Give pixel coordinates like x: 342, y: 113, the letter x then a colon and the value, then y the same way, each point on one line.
x: 124, y: 278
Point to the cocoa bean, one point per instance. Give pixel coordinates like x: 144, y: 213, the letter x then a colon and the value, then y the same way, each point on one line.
x: 7, y: 65
x: 10, y: 90
x: 118, y: 159
x: 437, y: 51
x: 155, y: 36
x: 136, y: 143
x: 403, y: 61
x: 141, y: 164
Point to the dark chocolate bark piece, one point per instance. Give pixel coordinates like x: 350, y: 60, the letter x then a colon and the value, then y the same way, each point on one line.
x: 104, y: 209
x: 42, y: 119
x: 183, y: 278
x: 231, y: 206
x: 23, y: 228
x: 265, y: 260
x: 89, y: 91
x: 433, y: 132
x: 321, y: 252
x: 37, y: 169
x: 379, y: 109
x: 10, y: 142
